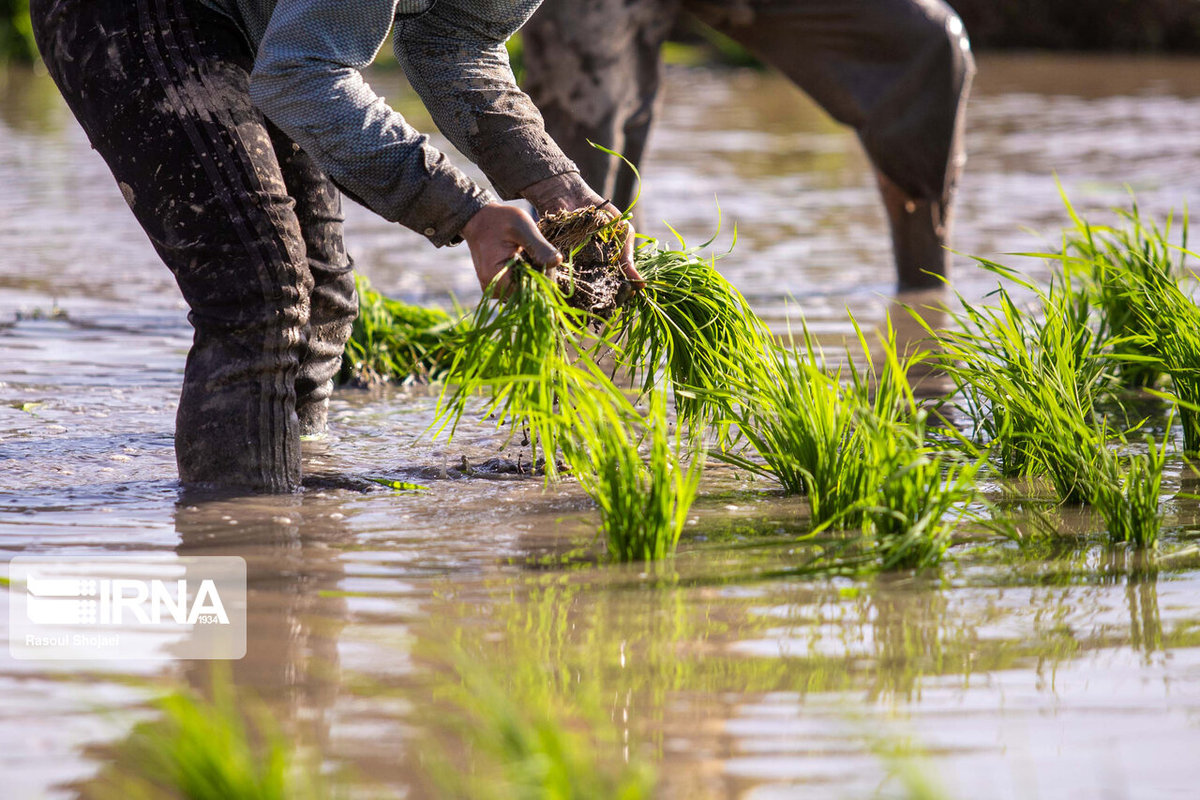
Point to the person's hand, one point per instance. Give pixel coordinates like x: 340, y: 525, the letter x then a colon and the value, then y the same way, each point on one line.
x: 497, y: 234
x: 569, y: 192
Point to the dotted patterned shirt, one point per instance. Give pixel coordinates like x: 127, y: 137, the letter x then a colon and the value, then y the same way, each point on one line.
x: 307, y: 80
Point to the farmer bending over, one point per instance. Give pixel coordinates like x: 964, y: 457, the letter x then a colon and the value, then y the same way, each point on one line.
x: 898, y: 71
x: 231, y: 125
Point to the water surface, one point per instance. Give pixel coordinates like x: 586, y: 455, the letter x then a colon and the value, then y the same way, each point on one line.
x: 1072, y: 675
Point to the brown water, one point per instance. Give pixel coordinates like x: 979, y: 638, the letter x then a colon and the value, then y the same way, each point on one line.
x: 1076, y: 675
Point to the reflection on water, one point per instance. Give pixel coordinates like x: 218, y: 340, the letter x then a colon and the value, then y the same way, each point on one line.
x: 1065, y: 673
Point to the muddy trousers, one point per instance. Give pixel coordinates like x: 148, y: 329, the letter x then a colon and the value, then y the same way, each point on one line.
x: 247, y: 223
x: 897, y: 71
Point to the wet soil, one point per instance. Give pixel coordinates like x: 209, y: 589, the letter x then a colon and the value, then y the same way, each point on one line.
x: 591, y: 245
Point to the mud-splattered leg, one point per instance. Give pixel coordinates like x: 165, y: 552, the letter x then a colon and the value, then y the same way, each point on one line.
x: 898, y: 71
x: 592, y: 67
x: 334, y: 304
x: 161, y: 88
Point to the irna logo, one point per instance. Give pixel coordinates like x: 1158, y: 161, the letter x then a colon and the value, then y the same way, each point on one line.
x: 122, y: 601
x: 135, y: 607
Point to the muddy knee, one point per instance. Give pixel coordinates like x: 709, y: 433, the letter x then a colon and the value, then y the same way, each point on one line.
x: 912, y: 131
x: 916, y: 142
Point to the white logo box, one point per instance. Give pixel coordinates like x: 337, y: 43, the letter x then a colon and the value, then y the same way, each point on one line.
x: 127, y: 607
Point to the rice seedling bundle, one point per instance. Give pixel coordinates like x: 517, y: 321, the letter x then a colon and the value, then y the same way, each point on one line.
x: 536, y: 355
x: 1134, y: 274
x: 395, y: 341
x: 1175, y: 321
x: 534, y: 358
x: 1128, y: 499
x: 916, y: 494
x: 803, y: 424
x: 1029, y: 381
x: 691, y: 325
x: 919, y: 496
x: 1137, y: 275
x: 1085, y: 469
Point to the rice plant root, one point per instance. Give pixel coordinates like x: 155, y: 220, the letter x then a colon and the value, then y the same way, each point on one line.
x: 591, y: 243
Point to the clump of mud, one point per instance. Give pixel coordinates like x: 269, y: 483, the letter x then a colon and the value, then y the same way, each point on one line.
x: 592, y: 279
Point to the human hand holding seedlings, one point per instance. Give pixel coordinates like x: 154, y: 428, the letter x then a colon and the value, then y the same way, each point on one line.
x: 569, y: 192
x: 496, y: 235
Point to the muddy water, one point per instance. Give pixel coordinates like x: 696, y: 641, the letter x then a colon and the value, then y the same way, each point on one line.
x: 1073, y: 674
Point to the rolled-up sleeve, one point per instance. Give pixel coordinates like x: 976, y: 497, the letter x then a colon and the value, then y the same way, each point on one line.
x: 455, y: 59
x: 307, y: 80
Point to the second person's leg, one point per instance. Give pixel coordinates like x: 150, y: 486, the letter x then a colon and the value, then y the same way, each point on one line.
x: 899, y: 72
x: 592, y: 68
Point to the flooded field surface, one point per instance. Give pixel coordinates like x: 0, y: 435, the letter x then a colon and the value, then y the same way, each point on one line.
x: 1070, y: 673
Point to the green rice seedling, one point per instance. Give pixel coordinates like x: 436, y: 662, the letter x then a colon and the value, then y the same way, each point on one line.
x: 527, y: 744
x: 643, y: 502
x: 1175, y: 320
x: 203, y: 749
x: 537, y: 356
x: 802, y: 422
x: 1177, y: 343
x: 806, y: 424
x: 1085, y: 469
x: 691, y: 324
x: 1134, y: 274
x: 919, y: 499
x: 858, y: 449
x: 1128, y: 499
x: 1067, y: 448
x: 396, y: 341
x: 533, y: 355
x: 1119, y: 267
x: 1018, y: 373
x: 916, y: 495
x: 1080, y: 462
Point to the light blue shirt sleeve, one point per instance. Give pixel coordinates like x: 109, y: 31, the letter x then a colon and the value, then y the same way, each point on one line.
x: 307, y: 80
x: 454, y: 57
